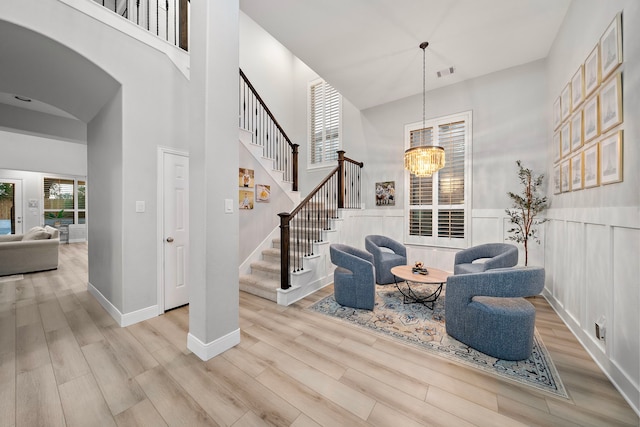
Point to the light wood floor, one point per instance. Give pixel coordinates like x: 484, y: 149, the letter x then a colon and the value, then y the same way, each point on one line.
x: 64, y: 361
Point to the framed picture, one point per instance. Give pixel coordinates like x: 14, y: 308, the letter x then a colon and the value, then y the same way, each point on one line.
x: 246, y: 199
x: 591, y: 119
x: 565, y: 101
x: 245, y: 178
x: 557, y: 114
x: 386, y: 193
x: 611, y: 104
x: 611, y: 47
x: 263, y: 193
x: 576, y: 172
x: 592, y: 71
x: 565, y: 139
x: 577, y: 87
x: 611, y: 159
x: 556, y: 180
x: 576, y: 131
x: 557, y: 147
x: 565, y: 176
x: 591, y: 167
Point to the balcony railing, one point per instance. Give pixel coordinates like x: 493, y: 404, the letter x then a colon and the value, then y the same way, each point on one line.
x: 167, y: 19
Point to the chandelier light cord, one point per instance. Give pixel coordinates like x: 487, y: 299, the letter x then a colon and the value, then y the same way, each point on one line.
x: 423, y: 46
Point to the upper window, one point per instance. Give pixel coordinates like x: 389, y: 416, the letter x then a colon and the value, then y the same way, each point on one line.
x: 64, y: 201
x: 325, y: 117
x: 438, y: 206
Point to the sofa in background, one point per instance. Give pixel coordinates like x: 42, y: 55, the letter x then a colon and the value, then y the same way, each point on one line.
x: 387, y: 253
x: 354, y: 283
x: 493, y: 255
x: 36, y: 250
x: 487, y: 310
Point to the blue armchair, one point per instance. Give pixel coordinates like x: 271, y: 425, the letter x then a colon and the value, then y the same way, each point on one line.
x: 499, y: 255
x: 486, y: 310
x: 387, y: 253
x: 353, y: 279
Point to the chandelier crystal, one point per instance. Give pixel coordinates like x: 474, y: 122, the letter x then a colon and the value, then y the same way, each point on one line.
x: 424, y: 160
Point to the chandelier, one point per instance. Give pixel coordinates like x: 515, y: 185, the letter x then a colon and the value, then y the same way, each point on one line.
x: 424, y: 160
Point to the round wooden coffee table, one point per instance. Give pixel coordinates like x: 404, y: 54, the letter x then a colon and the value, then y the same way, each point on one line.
x: 434, y: 276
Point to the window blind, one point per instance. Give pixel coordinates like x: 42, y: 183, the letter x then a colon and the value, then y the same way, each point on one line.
x: 324, y: 123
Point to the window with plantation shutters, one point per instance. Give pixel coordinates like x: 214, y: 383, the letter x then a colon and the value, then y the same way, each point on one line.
x: 437, y: 206
x: 325, y: 111
x: 64, y: 201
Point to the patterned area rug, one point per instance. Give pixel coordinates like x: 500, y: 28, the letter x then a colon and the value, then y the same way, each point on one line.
x: 418, y: 325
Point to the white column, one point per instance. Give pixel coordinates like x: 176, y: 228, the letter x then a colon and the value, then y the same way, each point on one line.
x: 213, y: 298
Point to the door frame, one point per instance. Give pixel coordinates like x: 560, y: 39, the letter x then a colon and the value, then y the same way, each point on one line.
x: 18, y: 200
x: 160, y: 221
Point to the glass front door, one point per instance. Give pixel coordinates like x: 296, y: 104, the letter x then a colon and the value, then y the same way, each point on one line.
x: 10, y: 207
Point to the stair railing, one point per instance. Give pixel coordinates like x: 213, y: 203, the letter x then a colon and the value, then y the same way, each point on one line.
x: 266, y: 132
x: 304, y: 226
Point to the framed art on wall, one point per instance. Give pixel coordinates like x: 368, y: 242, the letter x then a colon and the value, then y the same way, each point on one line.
x: 576, y: 172
x: 386, y: 193
x: 611, y: 159
x: 557, y: 114
x: 556, y: 180
x: 565, y: 101
x: 591, y: 167
x: 590, y: 119
x: 565, y: 139
x: 611, y: 104
x: 245, y: 178
x: 565, y: 176
x: 246, y: 199
x: 611, y: 47
x: 576, y: 131
x: 263, y: 193
x: 577, y: 87
x: 592, y: 71
x: 557, y: 147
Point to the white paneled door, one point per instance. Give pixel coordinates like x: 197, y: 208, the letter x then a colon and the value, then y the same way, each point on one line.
x: 176, y: 229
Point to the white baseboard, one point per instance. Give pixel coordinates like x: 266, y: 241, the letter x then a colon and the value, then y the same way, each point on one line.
x: 214, y: 348
x: 296, y: 293
x: 122, y: 319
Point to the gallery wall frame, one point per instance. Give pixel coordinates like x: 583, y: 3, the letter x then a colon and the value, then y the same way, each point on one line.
x: 591, y: 119
x: 591, y: 165
x: 611, y: 47
x: 576, y: 131
x: 611, y: 103
x: 557, y: 114
x: 611, y: 158
x: 565, y: 139
x: 592, y: 71
x: 577, y: 87
x: 263, y: 193
x: 556, y: 180
x: 576, y: 172
x: 565, y: 101
x: 565, y: 176
x: 557, y: 147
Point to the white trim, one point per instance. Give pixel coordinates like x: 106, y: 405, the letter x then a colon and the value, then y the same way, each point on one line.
x: 160, y: 222
x: 126, y: 319
x: 214, y: 348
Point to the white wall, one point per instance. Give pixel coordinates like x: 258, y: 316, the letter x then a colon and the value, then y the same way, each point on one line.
x: 592, y: 248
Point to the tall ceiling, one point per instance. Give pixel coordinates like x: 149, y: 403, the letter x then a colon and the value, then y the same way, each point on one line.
x: 369, y: 49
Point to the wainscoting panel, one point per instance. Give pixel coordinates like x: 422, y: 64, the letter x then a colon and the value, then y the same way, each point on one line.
x: 593, y: 264
x: 626, y: 320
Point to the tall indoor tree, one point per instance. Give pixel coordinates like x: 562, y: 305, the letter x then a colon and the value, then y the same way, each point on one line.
x: 525, y: 209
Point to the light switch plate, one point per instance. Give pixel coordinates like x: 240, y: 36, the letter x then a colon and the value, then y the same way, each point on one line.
x: 228, y: 205
x: 140, y: 206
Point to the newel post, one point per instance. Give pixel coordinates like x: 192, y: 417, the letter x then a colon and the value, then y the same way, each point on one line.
x: 294, y: 165
x: 341, y: 178
x: 285, y: 218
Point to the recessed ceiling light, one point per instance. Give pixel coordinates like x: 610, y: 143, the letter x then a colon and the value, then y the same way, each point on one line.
x: 22, y: 98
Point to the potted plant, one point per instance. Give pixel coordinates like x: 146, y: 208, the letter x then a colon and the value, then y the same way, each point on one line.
x: 57, y: 216
x: 525, y: 209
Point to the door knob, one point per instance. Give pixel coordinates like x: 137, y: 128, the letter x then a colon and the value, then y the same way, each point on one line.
x: 169, y: 239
